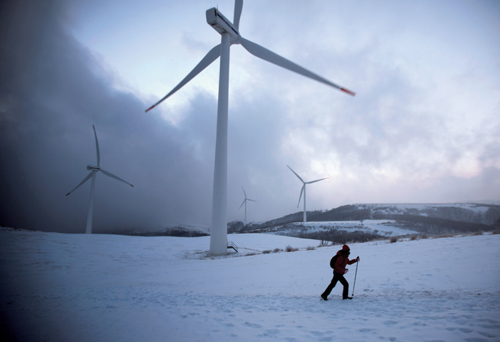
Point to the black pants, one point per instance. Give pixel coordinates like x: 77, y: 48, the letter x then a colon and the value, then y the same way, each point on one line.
x: 337, y: 277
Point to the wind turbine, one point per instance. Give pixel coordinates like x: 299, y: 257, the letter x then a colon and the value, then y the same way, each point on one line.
x: 230, y: 35
x: 93, y: 172
x: 245, y: 203
x: 304, y: 190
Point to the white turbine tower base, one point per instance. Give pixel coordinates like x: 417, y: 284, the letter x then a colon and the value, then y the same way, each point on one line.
x: 93, y: 173
x: 303, y: 190
x: 230, y: 35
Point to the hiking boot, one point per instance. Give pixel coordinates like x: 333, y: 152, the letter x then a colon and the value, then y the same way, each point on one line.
x: 348, y: 298
x: 324, y: 297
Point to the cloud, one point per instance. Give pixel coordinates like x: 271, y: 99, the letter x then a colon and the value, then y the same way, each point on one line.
x: 52, y: 92
x: 423, y: 127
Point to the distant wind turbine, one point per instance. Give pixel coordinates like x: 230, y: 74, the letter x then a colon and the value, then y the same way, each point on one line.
x: 92, y: 174
x: 245, y: 203
x: 230, y: 35
x: 304, y: 190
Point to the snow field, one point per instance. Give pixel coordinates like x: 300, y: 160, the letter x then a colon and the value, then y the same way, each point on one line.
x: 403, y: 207
x: 383, y: 227
x: 60, y: 287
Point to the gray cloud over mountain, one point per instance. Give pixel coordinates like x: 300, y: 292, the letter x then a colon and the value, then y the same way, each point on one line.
x: 385, y: 145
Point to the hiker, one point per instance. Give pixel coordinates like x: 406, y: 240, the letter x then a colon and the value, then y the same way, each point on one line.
x: 338, y: 272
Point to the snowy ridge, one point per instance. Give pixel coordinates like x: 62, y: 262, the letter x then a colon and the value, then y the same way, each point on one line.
x: 402, y: 208
x: 183, y: 230
x: 382, y: 220
x: 69, y: 287
x: 378, y: 227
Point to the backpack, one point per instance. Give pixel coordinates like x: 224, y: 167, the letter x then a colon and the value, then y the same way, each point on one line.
x: 333, y: 261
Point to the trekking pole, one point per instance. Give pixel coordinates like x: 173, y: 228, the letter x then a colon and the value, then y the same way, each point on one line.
x: 354, y: 285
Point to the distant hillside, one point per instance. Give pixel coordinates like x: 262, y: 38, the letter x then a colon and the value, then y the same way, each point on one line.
x: 487, y: 214
x: 431, y: 219
x: 405, y: 219
x: 178, y: 230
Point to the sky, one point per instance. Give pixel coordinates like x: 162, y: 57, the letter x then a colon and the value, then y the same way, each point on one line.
x: 423, y: 127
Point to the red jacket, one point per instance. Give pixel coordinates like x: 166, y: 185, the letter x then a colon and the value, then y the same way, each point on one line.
x: 342, y: 262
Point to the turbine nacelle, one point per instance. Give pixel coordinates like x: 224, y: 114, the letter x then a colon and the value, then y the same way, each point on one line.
x: 221, y: 24
x: 93, y: 168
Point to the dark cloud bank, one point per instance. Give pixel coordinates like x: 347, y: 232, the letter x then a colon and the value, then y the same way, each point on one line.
x: 52, y: 90
x: 51, y: 95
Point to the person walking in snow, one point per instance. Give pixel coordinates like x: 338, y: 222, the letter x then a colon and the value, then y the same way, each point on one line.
x: 338, y: 272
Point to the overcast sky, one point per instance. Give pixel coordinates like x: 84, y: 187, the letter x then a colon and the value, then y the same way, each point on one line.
x: 423, y: 127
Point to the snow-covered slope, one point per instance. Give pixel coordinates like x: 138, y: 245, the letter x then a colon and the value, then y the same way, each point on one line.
x: 405, y: 207
x: 467, y: 212
x: 365, y: 222
x: 61, y: 287
x: 381, y: 228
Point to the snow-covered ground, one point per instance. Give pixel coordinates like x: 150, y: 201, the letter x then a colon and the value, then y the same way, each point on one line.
x: 401, y: 208
x: 67, y: 287
x: 379, y: 227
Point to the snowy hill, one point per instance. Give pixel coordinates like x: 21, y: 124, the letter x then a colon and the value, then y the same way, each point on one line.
x: 377, y: 228
x: 401, y: 219
x: 359, y: 222
x: 68, y: 287
x: 466, y: 212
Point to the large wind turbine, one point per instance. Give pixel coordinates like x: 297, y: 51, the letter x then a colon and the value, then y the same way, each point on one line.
x: 92, y: 174
x: 245, y: 203
x: 304, y: 190
x: 230, y: 35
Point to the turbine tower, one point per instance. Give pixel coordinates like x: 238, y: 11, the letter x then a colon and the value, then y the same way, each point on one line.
x: 93, y: 172
x: 245, y: 203
x: 230, y: 35
x: 304, y: 190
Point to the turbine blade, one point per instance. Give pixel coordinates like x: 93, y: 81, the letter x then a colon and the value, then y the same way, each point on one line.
x: 271, y: 57
x: 317, y: 180
x: 115, y: 177
x: 242, y: 203
x: 296, y: 174
x: 301, y: 192
x: 238, y: 6
x: 97, y: 148
x: 244, y: 193
x: 83, y: 181
x: 211, y: 56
